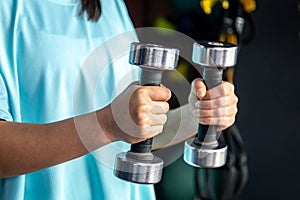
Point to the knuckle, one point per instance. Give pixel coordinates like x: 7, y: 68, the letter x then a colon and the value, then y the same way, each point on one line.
x: 230, y: 122
x: 159, y: 129
x: 227, y: 120
x: 168, y: 94
x: 217, y: 103
x: 232, y: 87
x: 141, y: 92
x: 142, y: 107
x: 235, y: 99
x: 231, y: 111
x: 224, y: 89
x: 235, y: 110
x: 203, y: 113
x: 137, y: 103
x: 134, y: 113
x: 201, y: 104
x: 219, y: 112
x: 164, y: 106
x: 141, y: 119
x: 222, y: 121
x: 229, y: 86
x: 167, y: 107
x: 159, y: 119
x: 143, y: 131
x: 212, y: 113
x: 207, y: 121
x: 219, y: 121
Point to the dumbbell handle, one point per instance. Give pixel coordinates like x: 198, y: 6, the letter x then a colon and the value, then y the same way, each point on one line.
x: 148, y: 78
x: 208, y: 134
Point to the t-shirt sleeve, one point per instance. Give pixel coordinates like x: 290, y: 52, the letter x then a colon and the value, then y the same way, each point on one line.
x: 4, y: 102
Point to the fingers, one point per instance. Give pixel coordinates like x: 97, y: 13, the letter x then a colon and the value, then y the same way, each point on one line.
x: 157, y: 119
x: 217, y: 103
x: 148, y: 107
x: 217, y: 106
x: 221, y: 116
x: 147, y: 102
x: 199, y: 88
x: 138, y: 113
x: 159, y: 107
x: 157, y: 93
x: 225, y: 89
x: 218, y: 112
x: 222, y: 122
x: 152, y: 114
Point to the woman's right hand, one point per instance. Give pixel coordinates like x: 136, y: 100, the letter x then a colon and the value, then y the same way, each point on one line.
x: 137, y: 114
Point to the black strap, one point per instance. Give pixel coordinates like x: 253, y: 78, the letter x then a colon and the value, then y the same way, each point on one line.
x: 234, y: 174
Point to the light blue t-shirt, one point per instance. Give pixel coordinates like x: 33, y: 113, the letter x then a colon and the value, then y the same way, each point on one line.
x: 44, y: 78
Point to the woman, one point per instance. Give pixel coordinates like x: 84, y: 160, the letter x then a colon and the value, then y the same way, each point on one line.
x: 52, y: 118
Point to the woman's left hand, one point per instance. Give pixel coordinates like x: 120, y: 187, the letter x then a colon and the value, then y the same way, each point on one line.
x: 217, y: 106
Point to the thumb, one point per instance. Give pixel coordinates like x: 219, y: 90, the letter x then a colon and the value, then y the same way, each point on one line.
x: 199, y: 88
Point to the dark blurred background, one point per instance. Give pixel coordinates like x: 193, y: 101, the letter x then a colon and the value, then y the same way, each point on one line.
x: 267, y: 83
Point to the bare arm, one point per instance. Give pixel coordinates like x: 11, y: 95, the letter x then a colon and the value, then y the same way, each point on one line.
x: 136, y: 114
x: 26, y: 148
x: 29, y: 147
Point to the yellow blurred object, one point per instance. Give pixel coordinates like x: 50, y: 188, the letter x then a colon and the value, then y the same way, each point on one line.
x: 249, y: 5
x: 207, y: 5
x: 230, y: 38
x: 230, y: 74
x: 225, y: 4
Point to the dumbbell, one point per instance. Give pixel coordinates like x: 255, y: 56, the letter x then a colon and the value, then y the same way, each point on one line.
x: 204, y: 150
x: 139, y: 165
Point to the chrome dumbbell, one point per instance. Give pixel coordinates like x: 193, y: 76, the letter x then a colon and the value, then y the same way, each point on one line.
x: 139, y: 165
x: 204, y: 150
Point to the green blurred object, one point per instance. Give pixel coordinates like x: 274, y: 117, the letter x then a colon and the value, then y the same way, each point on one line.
x: 162, y: 22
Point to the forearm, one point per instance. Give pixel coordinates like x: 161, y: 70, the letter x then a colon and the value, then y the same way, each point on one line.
x: 26, y: 148
x: 181, y: 125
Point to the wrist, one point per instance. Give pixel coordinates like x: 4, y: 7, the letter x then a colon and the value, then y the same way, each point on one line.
x: 106, y: 122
